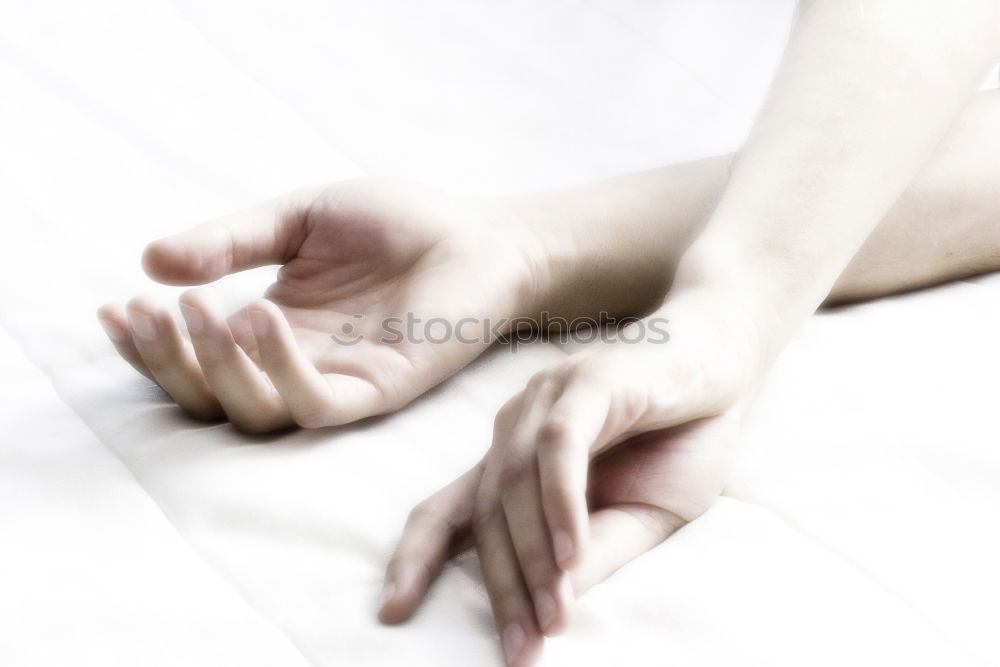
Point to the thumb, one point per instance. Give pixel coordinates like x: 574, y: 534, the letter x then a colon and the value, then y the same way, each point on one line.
x: 648, y: 488
x: 268, y: 233
x: 618, y: 535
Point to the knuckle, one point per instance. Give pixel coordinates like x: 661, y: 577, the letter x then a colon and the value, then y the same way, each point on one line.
x: 395, y: 562
x: 482, y: 517
x: 537, y: 381
x: 542, y: 379
x: 314, y: 418
x: 507, y: 415
x: 484, y: 511
x: 512, y: 475
x: 559, y: 497
x: 509, y: 409
x: 553, y: 433
x: 426, y: 511
x: 158, y: 363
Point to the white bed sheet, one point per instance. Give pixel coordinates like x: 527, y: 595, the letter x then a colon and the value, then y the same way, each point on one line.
x: 860, y: 524
x: 92, y: 573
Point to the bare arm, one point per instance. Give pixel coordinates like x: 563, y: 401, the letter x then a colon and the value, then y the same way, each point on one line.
x: 865, y: 92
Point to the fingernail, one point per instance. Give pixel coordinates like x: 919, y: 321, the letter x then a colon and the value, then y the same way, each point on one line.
x: 545, y: 608
x: 562, y: 545
x: 193, y: 317
x: 143, y: 326
x: 513, y: 642
x: 259, y: 322
x: 114, y: 330
x: 388, y: 592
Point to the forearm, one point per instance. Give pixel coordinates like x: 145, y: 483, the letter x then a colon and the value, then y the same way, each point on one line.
x: 946, y: 225
x: 864, y: 93
x: 612, y: 246
x: 615, y: 244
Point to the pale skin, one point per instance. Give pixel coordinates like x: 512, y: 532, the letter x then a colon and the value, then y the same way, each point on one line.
x: 735, y: 252
x: 574, y: 252
x: 649, y: 428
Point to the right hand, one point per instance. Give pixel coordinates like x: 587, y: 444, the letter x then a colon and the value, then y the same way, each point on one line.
x: 600, y: 458
x: 353, y: 254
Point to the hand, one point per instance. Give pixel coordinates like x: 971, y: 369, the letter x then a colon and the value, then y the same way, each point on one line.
x: 598, y: 460
x: 354, y: 255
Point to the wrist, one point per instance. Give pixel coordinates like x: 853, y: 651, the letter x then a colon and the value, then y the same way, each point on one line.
x: 713, y: 354
x: 613, y: 246
x: 564, y: 284
x: 734, y: 313
x: 765, y: 285
x: 576, y: 261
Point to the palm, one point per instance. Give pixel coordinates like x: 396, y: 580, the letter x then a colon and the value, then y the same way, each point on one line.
x: 372, y: 256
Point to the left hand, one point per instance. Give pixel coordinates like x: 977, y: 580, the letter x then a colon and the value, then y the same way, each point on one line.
x: 652, y: 425
x: 355, y: 257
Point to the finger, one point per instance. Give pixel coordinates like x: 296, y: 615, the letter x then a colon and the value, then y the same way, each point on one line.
x: 314, y: 399
x: 268, y: 233
x: 170, y: 359
x: 513, y: 611
x: 239, y: 325
x: 618, y: 535
x: 564, y: 441
x: 434, y: 531
x: 114, y: 321
x: 249, y: 400
x: 521, y: 500
x: 550, y: 588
